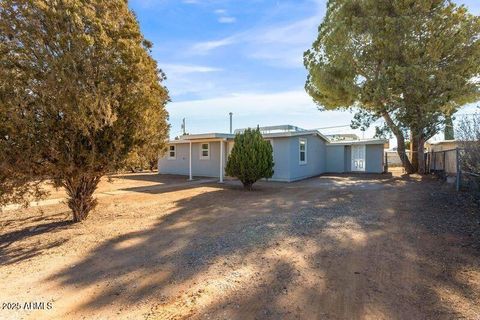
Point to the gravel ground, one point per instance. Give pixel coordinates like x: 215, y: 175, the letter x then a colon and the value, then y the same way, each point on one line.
x: 331, y: 247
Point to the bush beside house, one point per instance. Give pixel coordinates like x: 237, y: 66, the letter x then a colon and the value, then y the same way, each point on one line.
x: 251, y: 158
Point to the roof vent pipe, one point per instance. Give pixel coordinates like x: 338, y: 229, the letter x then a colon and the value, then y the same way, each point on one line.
x: 231, y: 114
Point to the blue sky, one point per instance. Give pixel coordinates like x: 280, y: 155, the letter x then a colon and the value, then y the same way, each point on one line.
x: 244, y: 57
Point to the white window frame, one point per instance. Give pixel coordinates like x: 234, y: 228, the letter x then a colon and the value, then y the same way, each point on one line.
x: 174, y: 152
x: 202, y: 157
x: 300, y: 140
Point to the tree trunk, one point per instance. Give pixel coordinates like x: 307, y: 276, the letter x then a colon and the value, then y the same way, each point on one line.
x: 248, y: 185
x: 449, y: 133
x: 413, y: 150
x: 80, y: 191
x: 400, y: 143
x: 152, y: 165
x: 421, y: 155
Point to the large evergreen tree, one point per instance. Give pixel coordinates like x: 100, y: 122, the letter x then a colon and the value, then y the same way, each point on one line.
x: 251, y: 158
x: 411, y: 62
x: 78, y: 87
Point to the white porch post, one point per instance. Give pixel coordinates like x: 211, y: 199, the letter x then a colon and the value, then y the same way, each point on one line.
x: 190, y: 162
x: 221, y: 161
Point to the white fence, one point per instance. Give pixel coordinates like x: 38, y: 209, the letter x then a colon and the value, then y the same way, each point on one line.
x: 392, y: 159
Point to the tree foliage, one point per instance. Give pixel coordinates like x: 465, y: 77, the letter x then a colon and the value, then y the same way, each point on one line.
x: 251, y: 158
x: 468, y: 133
x: 78, y: 88
x: 411, y: 62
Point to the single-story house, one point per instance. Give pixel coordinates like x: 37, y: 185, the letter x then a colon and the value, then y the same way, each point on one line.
x: 297, y: 154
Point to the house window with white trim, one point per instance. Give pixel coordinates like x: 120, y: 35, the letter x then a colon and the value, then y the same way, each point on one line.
x: 205, y: 151
x: 302, y: 150
x: 172, y: 152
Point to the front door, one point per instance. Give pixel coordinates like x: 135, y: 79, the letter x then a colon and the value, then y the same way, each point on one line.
x: 358, y: 157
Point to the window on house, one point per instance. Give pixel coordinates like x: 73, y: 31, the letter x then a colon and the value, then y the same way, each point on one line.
x: 172, y: 152
x: 205, y: 151
x: 302, y: 151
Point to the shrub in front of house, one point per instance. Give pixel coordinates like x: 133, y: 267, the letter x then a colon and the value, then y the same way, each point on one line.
x: 251, y: 158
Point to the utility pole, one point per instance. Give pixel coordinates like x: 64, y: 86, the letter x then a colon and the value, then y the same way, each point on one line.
x: 183, y: 126
x: 231, y: 128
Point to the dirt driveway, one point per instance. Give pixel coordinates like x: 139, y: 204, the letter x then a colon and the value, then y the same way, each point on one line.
x: 332, y: 247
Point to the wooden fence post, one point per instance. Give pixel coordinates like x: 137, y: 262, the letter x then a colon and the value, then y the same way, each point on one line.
x: 444, y: 161
x: 386, y: 163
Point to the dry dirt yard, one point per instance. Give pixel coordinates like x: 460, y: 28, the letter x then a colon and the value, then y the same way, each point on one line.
x: 331, y: 247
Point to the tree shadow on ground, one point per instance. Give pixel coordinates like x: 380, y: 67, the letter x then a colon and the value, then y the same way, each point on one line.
x: 12, y: 255
x: 342, y: 237
x: 155, y: 177
x: 170, y: 186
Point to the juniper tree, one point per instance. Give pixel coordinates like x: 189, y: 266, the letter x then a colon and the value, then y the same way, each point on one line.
x: 411, y: 62
x: 251, y: 158
x: 77, y: 89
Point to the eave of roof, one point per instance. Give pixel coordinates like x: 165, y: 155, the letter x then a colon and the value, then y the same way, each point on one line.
x: 442, y: 142
x: 362, y: 141
x: 229, y: 136
x: 295, y: 134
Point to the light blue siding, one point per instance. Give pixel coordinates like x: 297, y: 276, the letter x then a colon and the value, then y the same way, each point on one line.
x: 316, y: 157
x: 374, y: 158
x: 281, y: 159
x: 200, y: 167
x: 348, y: 159
x: 321, y: 158
x: 335, y: 158
x: 179, y: 165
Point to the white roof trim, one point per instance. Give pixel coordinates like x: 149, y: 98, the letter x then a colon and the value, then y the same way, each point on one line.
x: 228, y: 136
x: 295, y: 134
x: 212, y: 135
x: 365, y: 141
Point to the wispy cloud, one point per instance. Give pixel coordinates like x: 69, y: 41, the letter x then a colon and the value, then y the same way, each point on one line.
x: 227, y: 19
x: 188, y: 79
x: 224, y: 17
x: 182, y: 69
x: 205, y: 47
x: 251, y: 109
x: 280, y: 45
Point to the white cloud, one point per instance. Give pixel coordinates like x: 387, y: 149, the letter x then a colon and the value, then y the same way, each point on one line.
x: 184, y: 79
x: 281, y: 45
x: 252, y: 109
x: 224, y: 17
x: 182, y: 69
x: 202, y: 48
x: 227, y: 19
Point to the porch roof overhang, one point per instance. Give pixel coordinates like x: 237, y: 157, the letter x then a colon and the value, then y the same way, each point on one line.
x: 208, y: 137
x: 213, y: 135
